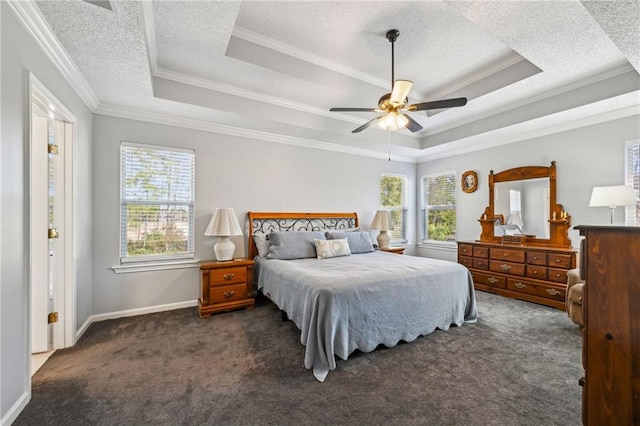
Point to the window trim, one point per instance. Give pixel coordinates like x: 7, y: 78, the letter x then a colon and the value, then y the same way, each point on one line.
x: 403, y: 209
x: 165, y: 261
x: 425, y: 242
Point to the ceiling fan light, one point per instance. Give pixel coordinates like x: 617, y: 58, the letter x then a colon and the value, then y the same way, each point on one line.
x: 392, y: 121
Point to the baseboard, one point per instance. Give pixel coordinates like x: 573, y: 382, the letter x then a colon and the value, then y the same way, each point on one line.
x: 134, y: 312
x: 16, y: 409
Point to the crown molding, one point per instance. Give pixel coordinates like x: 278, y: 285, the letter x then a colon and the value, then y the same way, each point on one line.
x: 206, y: 126
x: 307, y: 57
x: 516, y: 133
x: 236, y: 91
x: 150, y: 33
x: 30, y: 17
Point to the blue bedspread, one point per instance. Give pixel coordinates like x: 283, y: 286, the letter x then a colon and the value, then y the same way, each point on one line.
x: 360, y: 301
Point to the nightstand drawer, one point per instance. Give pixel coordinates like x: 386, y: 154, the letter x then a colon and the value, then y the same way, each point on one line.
x: 228, y: 293
x: 226, y: 276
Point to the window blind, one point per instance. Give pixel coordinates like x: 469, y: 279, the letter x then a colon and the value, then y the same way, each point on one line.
x: 439, y: 207
x: 393, y: 198
x: 157, y: 202
x: 632, y: 177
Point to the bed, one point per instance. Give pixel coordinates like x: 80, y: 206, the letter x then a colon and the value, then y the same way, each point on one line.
x: 353, y: 301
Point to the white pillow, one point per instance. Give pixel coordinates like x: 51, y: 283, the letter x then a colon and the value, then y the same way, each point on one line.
x: 262, y: 244
x: 332, y: 248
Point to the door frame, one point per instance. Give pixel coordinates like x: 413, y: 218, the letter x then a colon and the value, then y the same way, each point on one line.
x: 65, y: 290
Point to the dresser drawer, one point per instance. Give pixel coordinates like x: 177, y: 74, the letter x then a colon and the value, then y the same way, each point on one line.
x: 480, y: 251
x: 489, y: 280
x: 465, y: 250
x: 480, y: 263
x: 536, y: 289
x: 535, y: 271
x: 558, y: 275
x: 507, y: 267
x: 228, y: 293
x: 466, y: 261
x: 560, y: 261
x: 226, y: 276
x: 507, y: 254
x: 536, y: 258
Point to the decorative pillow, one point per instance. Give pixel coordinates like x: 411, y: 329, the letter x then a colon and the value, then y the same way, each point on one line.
x: 262, y: 244
x: 332, y: 248
x: 359, y: 242
x: 293, y: 245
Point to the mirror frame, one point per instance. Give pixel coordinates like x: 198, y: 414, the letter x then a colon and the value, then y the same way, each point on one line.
x: 559, y: 222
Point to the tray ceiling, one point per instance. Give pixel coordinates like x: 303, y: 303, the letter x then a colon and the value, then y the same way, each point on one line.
x: 272, y: 69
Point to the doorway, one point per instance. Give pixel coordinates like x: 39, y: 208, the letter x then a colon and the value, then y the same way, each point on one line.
x: 51, y: 225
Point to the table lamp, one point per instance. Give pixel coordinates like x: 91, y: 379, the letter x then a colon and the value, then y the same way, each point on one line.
x: 612, y: 196
x: 382, y: 222
x: 223, y: 224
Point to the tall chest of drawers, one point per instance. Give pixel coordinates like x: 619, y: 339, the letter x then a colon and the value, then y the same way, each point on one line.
x: 533, y: 273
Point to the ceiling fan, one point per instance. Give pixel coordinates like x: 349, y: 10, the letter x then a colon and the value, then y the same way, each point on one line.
x: 394, y: 104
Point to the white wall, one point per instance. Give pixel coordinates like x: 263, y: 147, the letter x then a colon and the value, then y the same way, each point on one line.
x: 244, y: 174
x: 586, y: 157
x: 20, y: 55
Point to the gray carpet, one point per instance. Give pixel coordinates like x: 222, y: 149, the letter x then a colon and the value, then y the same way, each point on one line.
x: 518, y: 365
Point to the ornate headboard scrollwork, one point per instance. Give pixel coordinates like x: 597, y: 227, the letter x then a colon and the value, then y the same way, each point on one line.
x: 264, y: 223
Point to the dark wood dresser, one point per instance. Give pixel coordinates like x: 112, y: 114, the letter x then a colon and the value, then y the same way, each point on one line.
x: 610, y: 266
x: 533, y: 273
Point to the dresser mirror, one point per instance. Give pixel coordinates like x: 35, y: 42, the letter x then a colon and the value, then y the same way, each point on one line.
x: 523, y: 208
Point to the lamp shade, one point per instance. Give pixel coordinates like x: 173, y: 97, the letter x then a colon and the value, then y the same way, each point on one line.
x: 611, y: 196
x: 223, y: 223
x: 382, y: 221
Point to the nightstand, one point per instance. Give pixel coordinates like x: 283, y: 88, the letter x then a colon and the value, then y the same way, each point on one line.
x: 225, y: 286
x: 396, y: 250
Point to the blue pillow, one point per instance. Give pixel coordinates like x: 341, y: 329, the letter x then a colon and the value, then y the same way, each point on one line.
x: 293, y: 245
x: 359, y: 241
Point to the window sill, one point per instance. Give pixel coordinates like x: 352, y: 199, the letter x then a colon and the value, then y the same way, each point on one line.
x: 154, y: 266
x: 451, y: 246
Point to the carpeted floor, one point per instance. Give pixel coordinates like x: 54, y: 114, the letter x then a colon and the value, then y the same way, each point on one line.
x: 518, y: 365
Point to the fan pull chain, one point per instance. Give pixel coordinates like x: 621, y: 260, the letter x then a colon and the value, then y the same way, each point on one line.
x: 389, y: 144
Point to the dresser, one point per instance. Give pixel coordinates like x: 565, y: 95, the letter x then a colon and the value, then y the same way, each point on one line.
x: 225, y: 286
x: 610, y: 266
x: 533, y: 273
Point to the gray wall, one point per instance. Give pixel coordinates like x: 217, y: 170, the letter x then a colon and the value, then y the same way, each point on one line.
x: 244, y: 174
x: 586, y: 157
x: 20, y: 54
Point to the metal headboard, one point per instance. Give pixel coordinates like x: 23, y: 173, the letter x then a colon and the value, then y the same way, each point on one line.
x: 264, y: 223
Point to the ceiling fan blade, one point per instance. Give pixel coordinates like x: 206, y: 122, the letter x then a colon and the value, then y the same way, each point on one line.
x: 354, y: 109
x: 365, y: 125
x: 445, y: 103
x: 400, y: 91
x: 412, y: 124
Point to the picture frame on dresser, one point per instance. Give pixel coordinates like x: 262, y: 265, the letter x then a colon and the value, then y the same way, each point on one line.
x: 522, y: 265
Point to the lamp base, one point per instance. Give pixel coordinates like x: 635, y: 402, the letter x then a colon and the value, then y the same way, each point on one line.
x: 224, y: 249
x: 383, y: 240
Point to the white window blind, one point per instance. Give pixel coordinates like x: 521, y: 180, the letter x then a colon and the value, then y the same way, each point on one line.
x: 393, y: 197
x: 439, y: 207
x: 156, y: 203
x: 632, y: 177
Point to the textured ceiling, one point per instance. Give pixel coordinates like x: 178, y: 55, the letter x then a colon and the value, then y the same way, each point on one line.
x: 275, y: 68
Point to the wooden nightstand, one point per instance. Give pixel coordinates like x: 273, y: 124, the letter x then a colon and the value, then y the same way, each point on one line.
x: 225, y: 286
x: 396, y: 250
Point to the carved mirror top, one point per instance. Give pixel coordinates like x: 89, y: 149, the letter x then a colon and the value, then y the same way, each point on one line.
x: 548, y: 218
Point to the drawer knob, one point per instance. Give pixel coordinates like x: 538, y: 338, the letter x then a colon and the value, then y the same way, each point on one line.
x: 228, y: 276
x: 535, y: 272
x: 505, y: 267
x: 557, y: 260
x: 492, y: 280
x: 535, y: 257
x: 228, y: 294
x: 520, y: 285
x: 506, y: 255
x: 553, y: 291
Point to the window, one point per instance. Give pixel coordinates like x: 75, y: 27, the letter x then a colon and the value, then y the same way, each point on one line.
x: 393, y: 198
x: 439, y: 207
x: 632, y: 177
x: 156, y: 203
